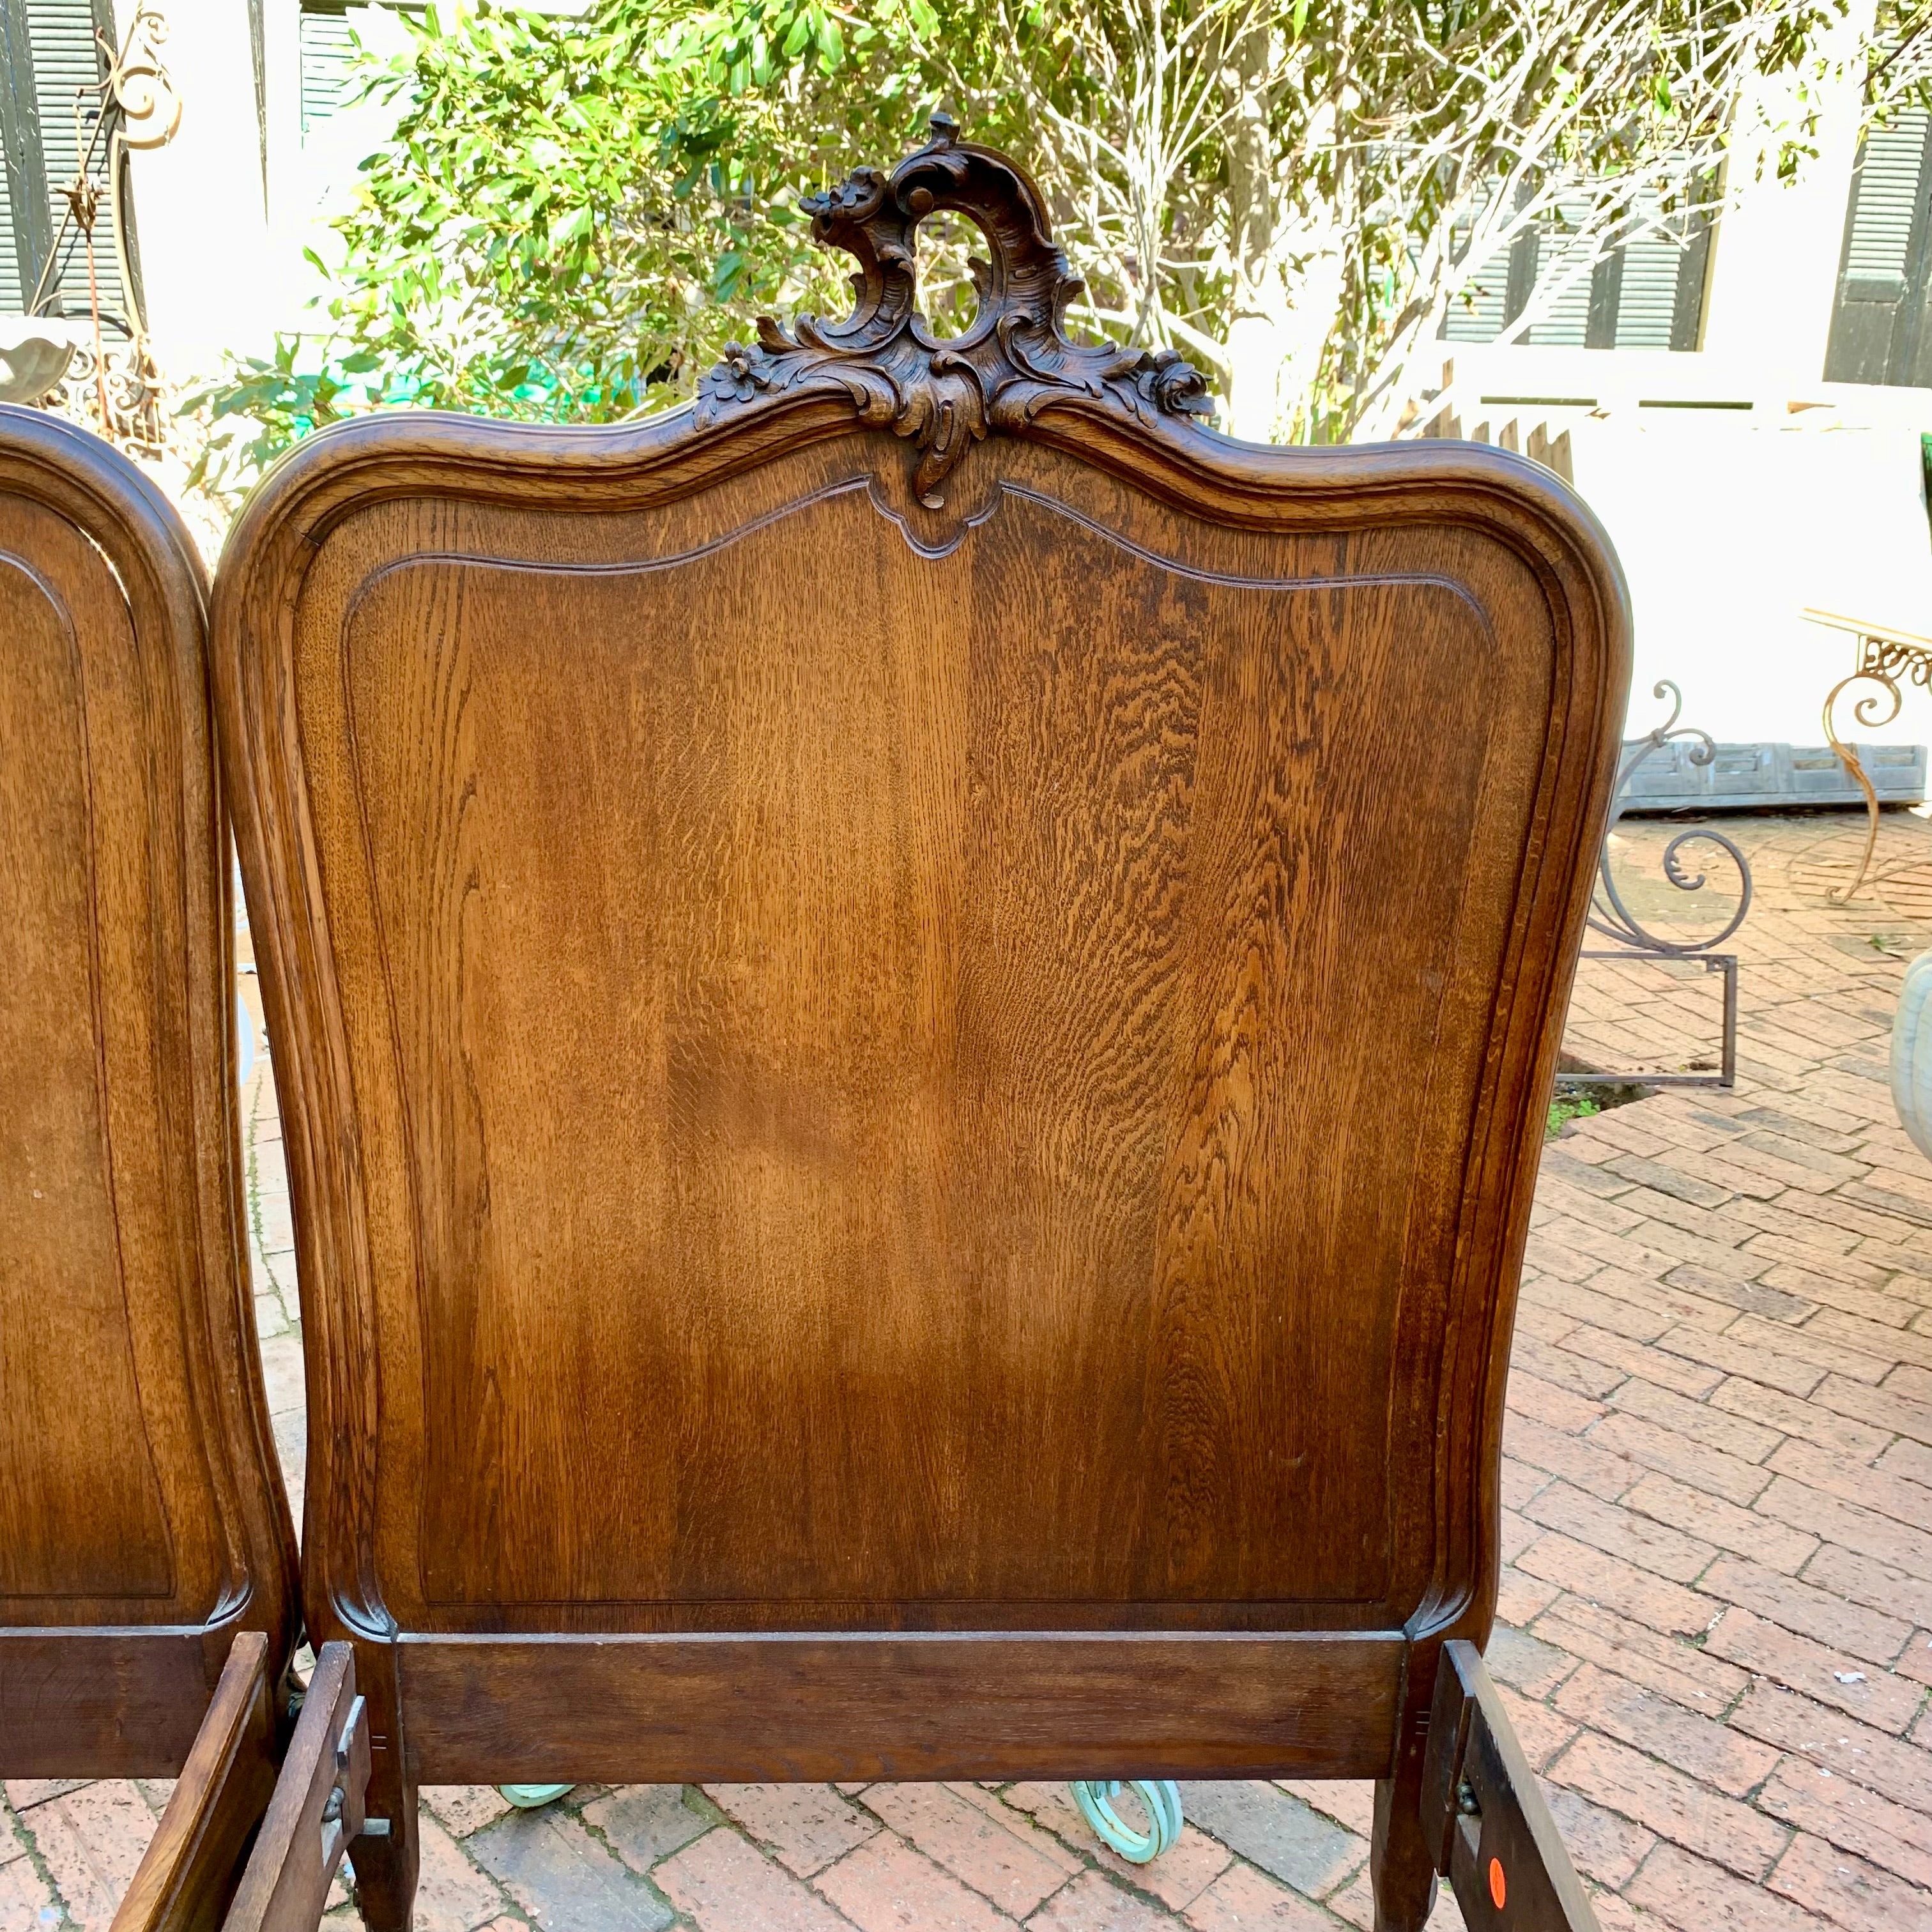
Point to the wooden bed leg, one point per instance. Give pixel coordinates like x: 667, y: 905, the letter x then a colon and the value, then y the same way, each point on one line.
x: 385, y: 1872
x: 385, y: 1877
x: 1400, y: 1867
x: 385, y: 1863
x: 386, y: 1868
x: 318, y: 1810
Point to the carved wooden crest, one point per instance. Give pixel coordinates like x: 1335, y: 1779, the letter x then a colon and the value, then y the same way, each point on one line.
x: 946, y: 395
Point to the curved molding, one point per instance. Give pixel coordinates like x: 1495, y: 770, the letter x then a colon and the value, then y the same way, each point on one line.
x: 818, y: 384
x: 83, y: 480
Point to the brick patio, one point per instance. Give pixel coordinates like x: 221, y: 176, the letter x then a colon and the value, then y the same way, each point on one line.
x: 1717, y: 1633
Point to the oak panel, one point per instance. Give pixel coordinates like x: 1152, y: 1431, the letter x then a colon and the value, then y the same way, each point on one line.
x: 833, y: 1075
x: 856, y: 1103
x: 141, y: 1518
x: 63, y: 1295
x: 914, y: 1009
x: 582, y: 1709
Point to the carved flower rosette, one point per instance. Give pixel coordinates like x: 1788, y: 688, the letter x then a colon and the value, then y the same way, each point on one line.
x: 944, y: 395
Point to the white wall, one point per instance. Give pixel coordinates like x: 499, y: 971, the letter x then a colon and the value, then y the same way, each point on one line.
x: 198, y: 203
x: 222, y: 254
x: 320, y: 170
x: 1728, y: 521
x: 1726, y: 533
x: 1774, y: 267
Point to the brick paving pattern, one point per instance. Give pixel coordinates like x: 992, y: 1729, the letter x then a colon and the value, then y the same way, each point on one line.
x: 1716, y: 1633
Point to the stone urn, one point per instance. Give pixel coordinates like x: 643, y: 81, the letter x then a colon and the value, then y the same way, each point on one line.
x: 1912, y: 1054
x: 34, y: 352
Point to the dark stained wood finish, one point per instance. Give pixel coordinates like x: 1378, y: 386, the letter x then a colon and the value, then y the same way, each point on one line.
x: 126, y: 1702
x: 630, y: 1707
x: 317, y: 1806
x: 1491, y: 1833
x: 877, y: 1041
x: 142, y: 1524
x: 192, y: 1862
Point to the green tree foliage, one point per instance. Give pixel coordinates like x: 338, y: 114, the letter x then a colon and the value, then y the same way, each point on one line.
x: 573, y: 215
x: 569, y: 214
x: 1899, y: 59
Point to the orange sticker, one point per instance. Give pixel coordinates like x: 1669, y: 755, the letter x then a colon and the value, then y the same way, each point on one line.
x: 1499, y: 1889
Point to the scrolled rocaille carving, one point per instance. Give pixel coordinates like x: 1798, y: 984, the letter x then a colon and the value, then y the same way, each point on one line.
x: 944, y: 395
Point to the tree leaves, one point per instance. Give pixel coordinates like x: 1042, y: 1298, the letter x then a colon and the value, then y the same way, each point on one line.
x: 574, y: 215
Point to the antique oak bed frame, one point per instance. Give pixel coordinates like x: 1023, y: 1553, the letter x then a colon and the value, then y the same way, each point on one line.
x: 914, y: 1009
x: 148, y: 1589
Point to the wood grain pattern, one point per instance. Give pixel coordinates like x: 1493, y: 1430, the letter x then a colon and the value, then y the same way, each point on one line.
x: 1490, y: 1831
x: 125, y: 1702
x: 1161, y: 1705
x: 839, y: 1023
x: 142, y: 1524
x: 948, y: 1067
x: 189, y: 1872
x: 316, y: 1809
x: 63, y: 932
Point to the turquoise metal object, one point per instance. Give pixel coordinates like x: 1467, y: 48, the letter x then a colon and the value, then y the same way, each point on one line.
x: 532, y: 1797
x: 1160, y: 1798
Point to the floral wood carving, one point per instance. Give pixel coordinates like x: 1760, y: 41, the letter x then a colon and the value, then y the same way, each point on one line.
x: 944, y: 395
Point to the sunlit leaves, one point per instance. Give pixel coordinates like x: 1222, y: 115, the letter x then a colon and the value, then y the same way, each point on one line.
x: 575, y: 213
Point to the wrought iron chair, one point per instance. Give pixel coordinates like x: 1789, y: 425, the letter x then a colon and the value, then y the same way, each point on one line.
x: 1612, y: 916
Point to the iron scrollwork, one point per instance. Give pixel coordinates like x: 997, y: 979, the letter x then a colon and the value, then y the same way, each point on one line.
x: 135, y: 106
x: 1160, y: 1799
x: 944, y: 395
x: 1882, y: 662
x: 1611, y: 916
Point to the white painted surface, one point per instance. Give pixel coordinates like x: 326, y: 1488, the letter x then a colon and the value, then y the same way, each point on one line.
x: 222, y: 248
x: 199, y: 205
x: 1735, y: 497
x: 1726, y: 533
x: 1775, y: 257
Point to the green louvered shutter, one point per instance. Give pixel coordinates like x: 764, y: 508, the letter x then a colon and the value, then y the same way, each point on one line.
x: 1876, y: 330
x: 69, y: 67
x: 327, y: 48
x: 13, y: 298
x: 1567, y: 323
x: 25, y: 237
x: 1478, y: 310
x: 1647, y: 294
